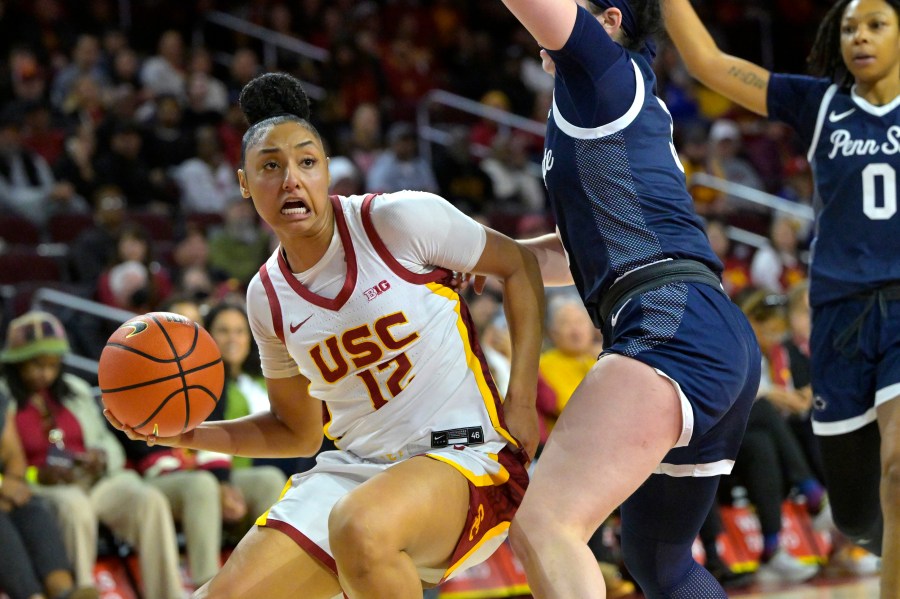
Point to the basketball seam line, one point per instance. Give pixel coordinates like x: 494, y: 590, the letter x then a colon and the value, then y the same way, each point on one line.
x: 184, y: 387
x: 161, y: 379
x: 163, y: 403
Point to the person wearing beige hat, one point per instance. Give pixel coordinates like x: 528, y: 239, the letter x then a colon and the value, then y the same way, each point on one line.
x: 75, y: 461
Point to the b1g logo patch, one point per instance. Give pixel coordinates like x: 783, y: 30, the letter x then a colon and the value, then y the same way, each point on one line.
x: 373, y: 292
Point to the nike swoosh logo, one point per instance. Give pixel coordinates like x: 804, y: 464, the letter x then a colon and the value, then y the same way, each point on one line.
x: 615, y: 317
x: 294, y: 327
x: 835, y: 118
x: 137, y: 327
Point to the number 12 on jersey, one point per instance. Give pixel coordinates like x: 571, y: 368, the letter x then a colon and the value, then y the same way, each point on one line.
x: 394, y: 382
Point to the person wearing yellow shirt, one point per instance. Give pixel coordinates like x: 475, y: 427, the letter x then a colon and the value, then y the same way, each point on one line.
x: 574, y: 351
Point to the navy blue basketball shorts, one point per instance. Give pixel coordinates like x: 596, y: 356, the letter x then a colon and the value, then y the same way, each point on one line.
x: 855, y: 363
x: 695, y: 336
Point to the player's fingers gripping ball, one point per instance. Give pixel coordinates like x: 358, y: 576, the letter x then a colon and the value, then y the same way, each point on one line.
x: 161, y: 374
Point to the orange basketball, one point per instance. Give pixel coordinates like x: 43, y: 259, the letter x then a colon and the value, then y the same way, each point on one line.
x: 161, y: 373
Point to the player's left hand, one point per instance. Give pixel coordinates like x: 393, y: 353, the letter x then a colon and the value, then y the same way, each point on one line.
x: 460, y: 281
x: 132, y: 434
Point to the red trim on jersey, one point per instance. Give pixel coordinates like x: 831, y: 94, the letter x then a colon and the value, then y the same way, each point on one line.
x: 274, y: 304
x: 306, y: 544
x: 438, y: 274
x: 350, y: 257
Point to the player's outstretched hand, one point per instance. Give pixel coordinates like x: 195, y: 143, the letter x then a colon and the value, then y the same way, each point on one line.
x: 150, y: 440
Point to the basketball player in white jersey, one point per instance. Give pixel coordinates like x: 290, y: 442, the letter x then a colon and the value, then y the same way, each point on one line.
x: 350, y: 313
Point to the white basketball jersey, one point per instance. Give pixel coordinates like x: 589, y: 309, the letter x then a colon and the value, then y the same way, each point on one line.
x: 394, y: 355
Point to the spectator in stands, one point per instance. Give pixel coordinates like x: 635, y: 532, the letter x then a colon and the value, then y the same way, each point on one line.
x: 346, y: 179
x: 694, y: 156
x: 676, y: 88
x: 27, y: 185
x: 400, y: 167
x: 125, y: 71
x: 164, y: 72
x: 27, y: 81
x: 41, y: 134
x: 87, y: 60
x: 94, y: 248
x: 206, y: 180
x: 244, y: 67
x: 231, y: 129
x: 791, y: 368
x: 736, y: 268
x: 460, y: 178
x: 135, y: 280
x: 726, y: 162
x: 197, y: 283
x: 84, y: 102
x: 240, y: 245
x: 572, y: 352
x: 193, y: 273
x: 485, y: 130
x: 205, y: 92
x: 509, y: 79
x: 168, y: 141
x: 78, y: 164
x: 79, y: 464
x: 798, y: 182
x: 409, y: 73
x: 516, y: 188
x: 124, y: 165
x: 353, y: 78
x: 777, y: 266
x: 365, y: 146
x: 771, y: 462
x: 32, y: 550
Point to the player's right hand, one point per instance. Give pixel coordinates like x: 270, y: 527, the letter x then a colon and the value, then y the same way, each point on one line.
x: 150, y: 440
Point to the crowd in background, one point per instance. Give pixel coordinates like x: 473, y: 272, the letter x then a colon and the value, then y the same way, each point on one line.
x: 120, y: 136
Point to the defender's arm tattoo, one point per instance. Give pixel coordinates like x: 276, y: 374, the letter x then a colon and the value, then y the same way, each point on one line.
x: 747, y: 77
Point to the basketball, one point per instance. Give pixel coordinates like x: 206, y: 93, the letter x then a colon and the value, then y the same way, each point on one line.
x: 161, y: 374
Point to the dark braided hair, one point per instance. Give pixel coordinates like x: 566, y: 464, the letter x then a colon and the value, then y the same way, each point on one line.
x: 271, y: 99
x: 648, y: 14
x: 825, y: 59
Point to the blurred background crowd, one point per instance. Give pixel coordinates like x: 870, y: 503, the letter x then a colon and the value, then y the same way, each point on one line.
x: 119, y: 140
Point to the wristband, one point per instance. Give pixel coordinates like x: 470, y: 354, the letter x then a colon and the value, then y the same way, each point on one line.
x: 31, y: 474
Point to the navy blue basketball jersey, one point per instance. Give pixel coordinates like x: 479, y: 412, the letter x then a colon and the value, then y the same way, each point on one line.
x: 854, y: 151
x: 614, y: 179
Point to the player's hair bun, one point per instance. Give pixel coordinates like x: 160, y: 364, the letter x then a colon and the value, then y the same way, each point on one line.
x: 273, y: 94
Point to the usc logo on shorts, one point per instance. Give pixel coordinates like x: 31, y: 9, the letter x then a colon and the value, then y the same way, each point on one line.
x: 479, y: 518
